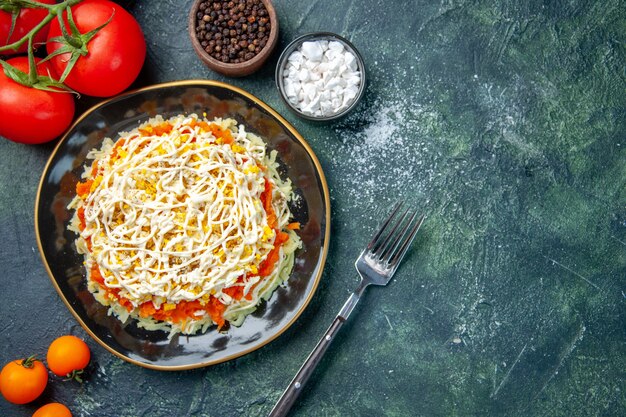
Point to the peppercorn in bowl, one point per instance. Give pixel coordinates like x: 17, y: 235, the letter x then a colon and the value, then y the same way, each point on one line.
x: 235, y: 37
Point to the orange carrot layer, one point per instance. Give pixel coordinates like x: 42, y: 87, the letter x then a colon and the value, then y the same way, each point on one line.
x: 81, y: 218
x: 266, y: 200
x: 217, y: 131
x: 158, y: 130
x: 235, y: 291
x: 83, y: 188
x: 267, y: 266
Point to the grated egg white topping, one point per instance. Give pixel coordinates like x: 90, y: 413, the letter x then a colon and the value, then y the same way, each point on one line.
x: 178, y: 216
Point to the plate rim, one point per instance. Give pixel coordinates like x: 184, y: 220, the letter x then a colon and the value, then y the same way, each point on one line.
x: 284, y: 122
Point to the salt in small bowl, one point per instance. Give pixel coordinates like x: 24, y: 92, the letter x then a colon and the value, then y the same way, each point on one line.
x: 297, y: 44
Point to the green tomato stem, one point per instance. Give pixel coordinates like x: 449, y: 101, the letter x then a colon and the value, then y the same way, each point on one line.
x: 32, y: 67
x: 53, y: 10
x: 29, y: 362
x: 75, y: 375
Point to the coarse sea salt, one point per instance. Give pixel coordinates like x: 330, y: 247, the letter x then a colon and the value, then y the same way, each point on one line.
x: 321, y: 78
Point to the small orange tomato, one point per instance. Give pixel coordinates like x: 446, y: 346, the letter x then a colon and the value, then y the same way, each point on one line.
x: 67, y: 356
x: 53, y: 410
x: 23, y: 380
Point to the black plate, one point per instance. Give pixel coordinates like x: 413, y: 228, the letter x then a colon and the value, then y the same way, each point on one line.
x: 65, y: 266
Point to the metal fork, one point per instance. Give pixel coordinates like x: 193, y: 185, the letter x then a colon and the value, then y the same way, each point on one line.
x: 376, y: 265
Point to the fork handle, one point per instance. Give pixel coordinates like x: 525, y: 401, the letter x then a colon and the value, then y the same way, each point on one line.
x: 295, y: 387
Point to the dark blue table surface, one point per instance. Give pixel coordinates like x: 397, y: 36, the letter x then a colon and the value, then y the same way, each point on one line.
x: 503, y: 121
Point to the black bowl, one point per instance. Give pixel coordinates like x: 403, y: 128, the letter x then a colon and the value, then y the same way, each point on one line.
x: 152, y: 349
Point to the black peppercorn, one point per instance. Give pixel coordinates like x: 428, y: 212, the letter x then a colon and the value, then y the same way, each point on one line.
x: 233, y: 31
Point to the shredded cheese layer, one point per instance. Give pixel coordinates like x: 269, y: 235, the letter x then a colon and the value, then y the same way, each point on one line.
x: 184, y: 223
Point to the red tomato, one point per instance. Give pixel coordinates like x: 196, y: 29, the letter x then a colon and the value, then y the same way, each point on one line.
x: 116, y: 53
x: 26, y: 20
x: 53, y: 410
x: 23, y: 381
x: 67, y: 354
x: 28, y: 115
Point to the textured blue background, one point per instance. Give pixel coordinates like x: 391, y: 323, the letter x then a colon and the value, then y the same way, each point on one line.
x: 505, y: 122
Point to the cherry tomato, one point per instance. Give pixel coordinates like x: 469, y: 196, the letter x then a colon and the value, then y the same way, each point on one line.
x: 22, y: 381
x: 28, y: 115
x: 67, y: 354
x: 116, y: 52
x: 27, y: 19
x: 53, y: 410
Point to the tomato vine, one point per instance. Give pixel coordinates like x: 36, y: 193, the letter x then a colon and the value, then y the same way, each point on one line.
x: 93, y: 47
x: 15, y: 6
x: 74, y: 42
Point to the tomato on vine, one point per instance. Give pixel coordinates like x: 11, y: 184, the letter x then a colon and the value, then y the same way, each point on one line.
x: 33, y: 107
x: 53, y: 410
x: 22, y: 381
x: 99, y: 50
x: 94, y: 47
x: 68, y: 356
x: 16, y: 22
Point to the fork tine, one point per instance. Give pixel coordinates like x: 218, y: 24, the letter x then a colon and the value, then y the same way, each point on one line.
x: 396, y: 238
x: 377, y: 236
x: 395, y: 259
